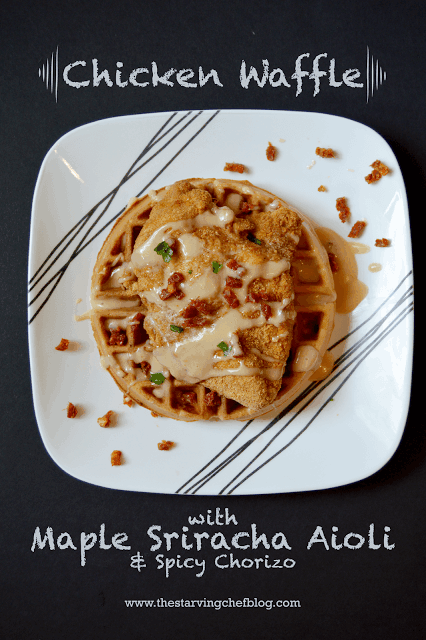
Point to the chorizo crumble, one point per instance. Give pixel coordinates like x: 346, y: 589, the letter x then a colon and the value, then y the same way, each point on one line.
x: 334, y: 265
x: 322, y: 188
x: 116, y: 458
x: 165, y: 445
x: 63, y: 345
x: 271, y: 152
x: 234, y: 166
x: 324, y: 153
x: 71, y: 410
x: 382, y: 242
x: 105, y: 421
x: 379, y: 170
x: 343, y: 209
x: 212, y: 399
x: 118, y: 337
x: 357, y: 229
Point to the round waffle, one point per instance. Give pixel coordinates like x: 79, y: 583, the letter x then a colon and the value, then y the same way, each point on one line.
x: 119, y: 312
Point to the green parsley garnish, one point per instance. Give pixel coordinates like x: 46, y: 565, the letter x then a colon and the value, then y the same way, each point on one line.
x: 157, y: 378
x: 163, y: 249
x: 253, y: 238
x: 225, y: 348
x: 190, y: 271
x: 216, y: 266
x: 175, y: 328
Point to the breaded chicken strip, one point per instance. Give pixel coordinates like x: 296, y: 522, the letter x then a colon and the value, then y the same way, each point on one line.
x: 216, y: 280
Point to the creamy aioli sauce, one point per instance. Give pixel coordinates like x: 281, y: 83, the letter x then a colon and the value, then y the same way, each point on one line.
x: 114, y: 303
x: 187, y: 360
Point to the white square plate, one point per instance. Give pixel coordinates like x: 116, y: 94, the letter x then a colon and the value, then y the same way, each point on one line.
x: 86, y: 180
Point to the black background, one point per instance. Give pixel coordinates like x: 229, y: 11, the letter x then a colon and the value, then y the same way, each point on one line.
x: 344, y: 594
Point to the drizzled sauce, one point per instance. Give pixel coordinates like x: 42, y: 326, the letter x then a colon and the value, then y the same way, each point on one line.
x: 374, y: 267
x: 325, y: 368
x: 359, y: 247
x: 349, y: 289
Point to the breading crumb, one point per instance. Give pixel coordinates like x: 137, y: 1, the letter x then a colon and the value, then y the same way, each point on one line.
x: 105, y: 421
x: 127, y: 400
x: 165, y: 445
x: 324, y: 153
x: 322, y: 188
x: 116, y: 458
x: 71, y: 410
x: 271, y: 152
x: 63, y: 345
x: 234, y: 166
x: 357, y: 229
x: 382, y: 242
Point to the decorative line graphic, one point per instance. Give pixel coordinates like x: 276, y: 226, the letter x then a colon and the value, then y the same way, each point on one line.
x: 49, y: 73
x: 363, y: 347
x: 375, y: 75
x: 108, y: 199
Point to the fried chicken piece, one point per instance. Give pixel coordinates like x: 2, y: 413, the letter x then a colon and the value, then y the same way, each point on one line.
x: 277, y: 231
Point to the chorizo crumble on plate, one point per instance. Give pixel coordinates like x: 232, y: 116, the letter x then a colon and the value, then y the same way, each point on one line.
x: 325, y: 153
x: 165, y: 445
x: 382, y: 242
x: 116, y: 458
x: 343, y: 209
x: 271, y: 152
x: 63, y: 345
x: 379, y: 170
x: 234, y: 166
x: 322, y: 188
x: 357, y: 229
x: 71, y: 410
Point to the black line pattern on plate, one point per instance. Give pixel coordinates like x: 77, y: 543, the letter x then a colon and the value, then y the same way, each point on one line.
x: 361, y: 357
x: 84, y: 219
x: 318, y: 386
x: 65, y: 243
